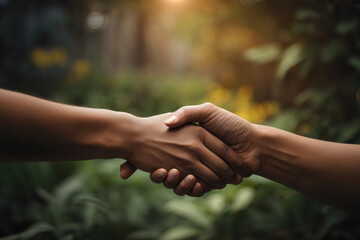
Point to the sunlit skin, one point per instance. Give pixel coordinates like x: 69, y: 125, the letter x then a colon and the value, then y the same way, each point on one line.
x: 33, y: 129
x: 188, y: 158
x: 326, y: 171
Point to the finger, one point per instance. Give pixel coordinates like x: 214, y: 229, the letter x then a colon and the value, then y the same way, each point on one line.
x: 226, y: 153
x: 197, y: 190
x: 198, y: 113
x: 239, y: 179
x: 172, y: 178
x: 205, y: 187
x: 185, y: 185
x: 202, y: 172
x: 126, y: 170
x: 214, y: 157
x: 158, y: 175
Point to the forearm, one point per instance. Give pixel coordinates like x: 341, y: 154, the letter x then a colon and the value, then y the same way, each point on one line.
x: 34, y: 129
x: 329, y: 172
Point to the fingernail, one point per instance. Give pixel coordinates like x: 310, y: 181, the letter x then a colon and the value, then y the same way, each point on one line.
x: 171, y: 119
x: 172, y: 174
x: 161, y: 174
x: 188, y: 179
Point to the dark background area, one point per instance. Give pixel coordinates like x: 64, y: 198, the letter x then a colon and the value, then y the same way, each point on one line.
x: 294, y: 65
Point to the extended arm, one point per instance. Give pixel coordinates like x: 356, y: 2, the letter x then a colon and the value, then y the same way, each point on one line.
x: 36, y: 129
x: 327, y: 171
x: 33, y: 129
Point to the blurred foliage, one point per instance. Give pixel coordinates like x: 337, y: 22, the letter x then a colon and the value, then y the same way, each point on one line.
x: 298, y: 61
x: 138, y: 93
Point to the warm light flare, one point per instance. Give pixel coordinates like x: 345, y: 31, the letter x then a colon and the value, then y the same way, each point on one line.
x: 175, y: 1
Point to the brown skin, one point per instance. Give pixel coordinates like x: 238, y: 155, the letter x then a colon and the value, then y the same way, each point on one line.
x: 33, y: 129
x: 326, y: 171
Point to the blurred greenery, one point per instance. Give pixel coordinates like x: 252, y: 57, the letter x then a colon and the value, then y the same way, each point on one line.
x: 294, y: 65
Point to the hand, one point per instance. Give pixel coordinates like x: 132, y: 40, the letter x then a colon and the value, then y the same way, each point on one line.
x: 189, y: 149
x: 239, y: 134
x: 171, y: 180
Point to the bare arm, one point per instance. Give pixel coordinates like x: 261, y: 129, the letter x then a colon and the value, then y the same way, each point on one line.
x: 36, y: 129
x: 33, y: 129
x: 326, y: 171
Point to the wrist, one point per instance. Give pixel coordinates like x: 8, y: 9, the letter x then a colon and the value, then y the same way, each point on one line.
x: 261, y: 136
x: 279, y: 160
x: 108, y: 134
x: 264, y: 136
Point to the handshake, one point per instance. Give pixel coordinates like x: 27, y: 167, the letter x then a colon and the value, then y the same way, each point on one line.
x: 191, y: 158
x: 195, y: 158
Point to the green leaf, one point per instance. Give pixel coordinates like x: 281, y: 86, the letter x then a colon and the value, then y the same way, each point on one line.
x: 310, y: 60
x: 189, y: 211
x: 180, y: 232
x: 91, y: 200
x: 346, y: 27
x: 62, y: 195
x: 243, y: 199
x: 355, y: 63
x: 331, y: 50
x: 44, y: 195
x: 292, y: 56
x: 89, y: 216
x: 306, y: 96
x: 144, y: 234
x: 303, y: 14
x: 216, y: 202
x: 349, y: 131
x: 68, y: 237
x: 285, y: 120
x: 263, y: 54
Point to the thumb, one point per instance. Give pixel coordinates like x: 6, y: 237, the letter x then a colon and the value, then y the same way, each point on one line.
x: 126, y: 170
x: 188, y: 114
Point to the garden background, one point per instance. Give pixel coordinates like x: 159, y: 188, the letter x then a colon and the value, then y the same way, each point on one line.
x: 289, y: 64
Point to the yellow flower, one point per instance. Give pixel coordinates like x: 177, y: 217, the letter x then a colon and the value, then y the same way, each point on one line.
x: 218, y: 94
x: 245, y: 106
x: 40, y: 58
x: 59, y: 56
x: 81, y: 69
x: 270, y: 108
x: 46, y: 59
x: 245, y: 92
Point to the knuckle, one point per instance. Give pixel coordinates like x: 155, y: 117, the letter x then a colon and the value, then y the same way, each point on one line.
x: 225, y: 170
x: 209, y: 105
x: 194, y: 146
x: 184, y: 110
x: 244, y: 169
x: 198, y: 130
x: 225, y: 150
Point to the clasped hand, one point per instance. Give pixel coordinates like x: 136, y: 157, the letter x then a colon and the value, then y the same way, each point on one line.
x: 194, y: 159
